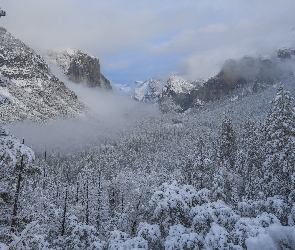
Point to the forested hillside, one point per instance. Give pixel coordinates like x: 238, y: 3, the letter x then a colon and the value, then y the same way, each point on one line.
x: 221, y: 177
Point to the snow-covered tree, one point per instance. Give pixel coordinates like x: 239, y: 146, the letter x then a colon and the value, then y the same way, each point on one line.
x: 197, y: 171
x: 15, y: 166
x: 171, y: 204
x: 80, y: 236
x: 250, y: 159
x: 121, y: 240
x: 218, y: 186
x: 31, y: 237
x: 227, y: 143
x: 279, y: 164
x: 151, y: 233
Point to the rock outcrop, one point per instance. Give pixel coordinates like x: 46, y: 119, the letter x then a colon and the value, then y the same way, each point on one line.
x: 286, y: 53
x: 235, y: 74
x: 79, y: 67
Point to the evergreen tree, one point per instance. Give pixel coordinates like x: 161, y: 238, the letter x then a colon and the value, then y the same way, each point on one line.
x: 280, y: 145
x: 15, y: 167
x: 218, y: 186
x: 228, y: 147
x: 250, y: 160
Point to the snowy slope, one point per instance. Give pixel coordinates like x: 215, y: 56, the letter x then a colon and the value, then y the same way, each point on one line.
x: 28, y: 89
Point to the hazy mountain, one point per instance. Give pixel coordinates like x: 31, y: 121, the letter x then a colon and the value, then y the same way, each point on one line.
x: 258, y: 72
x: 243, y: 76
x: 124, y: 89
x: 28, y: 89
x: 79, y: 67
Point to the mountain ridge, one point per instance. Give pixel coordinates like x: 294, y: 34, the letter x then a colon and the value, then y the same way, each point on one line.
x: 180, y: 95
x: 34, y: 93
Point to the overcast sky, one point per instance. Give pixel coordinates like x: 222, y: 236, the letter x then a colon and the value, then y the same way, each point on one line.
x: 140, y: 39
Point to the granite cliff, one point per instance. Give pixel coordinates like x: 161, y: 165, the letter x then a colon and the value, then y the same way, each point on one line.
x: 79, y: 67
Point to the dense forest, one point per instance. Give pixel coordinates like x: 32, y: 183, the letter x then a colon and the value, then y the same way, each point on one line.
x: 221, y: 177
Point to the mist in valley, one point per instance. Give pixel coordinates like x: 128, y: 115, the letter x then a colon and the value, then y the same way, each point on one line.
x: 108, y: 114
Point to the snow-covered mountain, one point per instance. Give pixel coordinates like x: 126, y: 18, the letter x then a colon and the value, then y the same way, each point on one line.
x: 28, y: 89
x: 243, y: 76
x: 178, y: 94
x: 149, y: 91
x: 175, y: 94
x: 177, y: 85
x: 79, y: 67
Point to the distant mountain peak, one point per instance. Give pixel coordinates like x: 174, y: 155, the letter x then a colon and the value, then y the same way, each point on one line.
x: 178, y: 85
x: 149, y: 91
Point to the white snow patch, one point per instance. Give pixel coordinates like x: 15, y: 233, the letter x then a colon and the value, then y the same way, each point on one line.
x: 179, y: 85
x: 275, y: 237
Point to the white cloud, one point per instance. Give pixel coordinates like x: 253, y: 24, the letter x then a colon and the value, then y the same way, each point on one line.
x: 199, y: 33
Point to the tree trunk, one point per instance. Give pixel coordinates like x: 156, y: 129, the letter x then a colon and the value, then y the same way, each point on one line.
x: 87, y: 203
x: 98, y: 223
x: 64, y: 214
x: 17, y: 192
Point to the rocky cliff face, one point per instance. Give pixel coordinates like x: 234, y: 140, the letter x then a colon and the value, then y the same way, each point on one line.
x: 235, y: 74
x: 286, y: 53
x: 79, y: 67
x: 28, y: 89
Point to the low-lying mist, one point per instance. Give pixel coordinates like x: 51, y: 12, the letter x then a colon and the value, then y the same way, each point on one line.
x: 110, y: 114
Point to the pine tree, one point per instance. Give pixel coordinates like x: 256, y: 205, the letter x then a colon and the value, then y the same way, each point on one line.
x: 250, y: 160
x: 218, y: 186
x: 15, y: 167
x: 228, y: 147
x: 280, y: 145
x: 197, y: 170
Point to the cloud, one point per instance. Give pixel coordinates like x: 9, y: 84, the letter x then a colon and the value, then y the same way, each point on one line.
x: 261, y: 29
x: 198, y: 35
x: 111, y: 114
